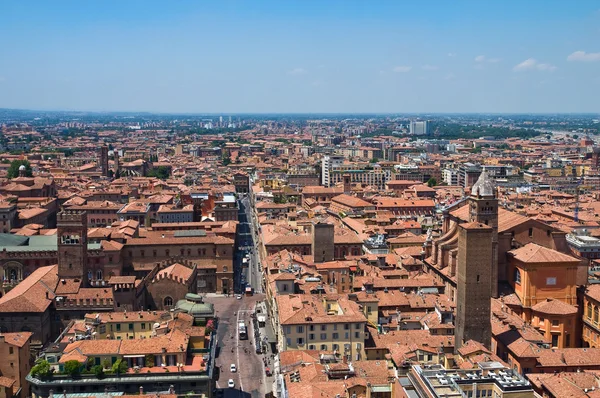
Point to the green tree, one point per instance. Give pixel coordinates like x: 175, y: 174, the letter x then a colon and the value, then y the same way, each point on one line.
x: 98, y: 371
x: 72, y: 368
x: 120, y: 367
x: 226, y: 160
x: 161, y: 172
x: 432, y: 182
x: 41, y: 369
x: 13, y: 170
x: 106, y: 364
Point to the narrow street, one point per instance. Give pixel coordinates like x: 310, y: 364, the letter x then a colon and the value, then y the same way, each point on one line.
x: 250, y: 379
x: 252, y: 275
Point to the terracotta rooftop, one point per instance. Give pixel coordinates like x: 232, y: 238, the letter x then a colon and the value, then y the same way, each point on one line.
x: 534, y: 253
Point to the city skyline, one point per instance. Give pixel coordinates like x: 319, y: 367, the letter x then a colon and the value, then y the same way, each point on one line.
x: 309, y: 57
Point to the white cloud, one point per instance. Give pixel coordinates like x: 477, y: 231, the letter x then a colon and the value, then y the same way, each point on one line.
x: 297, y: 71
x: 429, y: 67
x: 452, y: 54
x: 583, y: 56
x: 532, y: 64
x: 402, y: 69
x: 546, y: 67
x: 525, y: 65
x: 482, y: 58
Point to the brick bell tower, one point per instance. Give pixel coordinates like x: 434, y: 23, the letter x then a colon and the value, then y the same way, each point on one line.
x: 72, y: 244
x: 483, y: 208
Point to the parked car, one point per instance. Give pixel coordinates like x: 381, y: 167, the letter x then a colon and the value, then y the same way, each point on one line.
x: 233, y: 368
x: 230, y: 383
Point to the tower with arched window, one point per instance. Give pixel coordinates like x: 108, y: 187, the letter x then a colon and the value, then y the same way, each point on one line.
x: 72, y: 244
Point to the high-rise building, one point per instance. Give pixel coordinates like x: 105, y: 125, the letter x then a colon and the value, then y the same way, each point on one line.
x: 328, y: 163
x: 419, y: 127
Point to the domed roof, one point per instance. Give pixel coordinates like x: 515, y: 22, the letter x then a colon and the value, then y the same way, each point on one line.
x: 22, y: 167
x: 484, y: 185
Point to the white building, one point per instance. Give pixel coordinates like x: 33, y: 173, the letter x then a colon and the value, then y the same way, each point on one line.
x: 419, y: 127
x: 328, y: 163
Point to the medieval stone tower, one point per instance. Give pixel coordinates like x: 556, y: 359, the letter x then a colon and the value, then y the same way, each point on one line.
x: 474, y: 276
x: 104, y: 160
x: 72, y: 244
x: 483, y: 208
x: 322, y: 243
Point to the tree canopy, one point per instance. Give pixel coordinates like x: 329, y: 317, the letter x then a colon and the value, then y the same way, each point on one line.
x: 13, y: 170
x: 161, y: 172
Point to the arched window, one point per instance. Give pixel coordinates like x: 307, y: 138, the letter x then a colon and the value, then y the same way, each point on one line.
x: 168, y: 301
x: 517, y: 276
x: 90, y: 275
x: 224, y: 268
x: 99, y: 274
x: 589, y: 310
x: 595, y: 314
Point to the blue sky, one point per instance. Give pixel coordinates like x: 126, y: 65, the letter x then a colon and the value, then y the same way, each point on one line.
x: 301, y: 56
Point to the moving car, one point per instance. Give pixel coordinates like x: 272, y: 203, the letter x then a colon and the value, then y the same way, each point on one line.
x: 230, y: 383
x: 238, y: 296
x: 233, y: 368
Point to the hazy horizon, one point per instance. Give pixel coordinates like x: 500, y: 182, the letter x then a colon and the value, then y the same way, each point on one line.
x: 309, y: 57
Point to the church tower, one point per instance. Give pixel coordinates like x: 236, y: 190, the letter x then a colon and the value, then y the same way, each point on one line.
x: 483, y: 208
x: 72, y: 244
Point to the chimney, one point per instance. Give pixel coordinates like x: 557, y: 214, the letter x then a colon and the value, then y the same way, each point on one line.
x: 141, y: 390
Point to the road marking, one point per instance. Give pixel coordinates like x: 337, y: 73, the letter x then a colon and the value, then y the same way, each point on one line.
x: 237, y: 340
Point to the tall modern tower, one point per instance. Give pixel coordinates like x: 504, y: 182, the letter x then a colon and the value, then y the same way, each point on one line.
x: 419, y: 127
